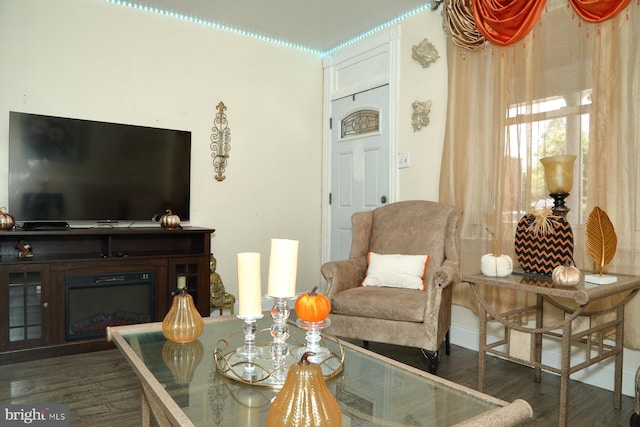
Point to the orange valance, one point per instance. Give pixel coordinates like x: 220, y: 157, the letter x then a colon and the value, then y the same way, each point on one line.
x: 504, y: 22
x: 598, y: 10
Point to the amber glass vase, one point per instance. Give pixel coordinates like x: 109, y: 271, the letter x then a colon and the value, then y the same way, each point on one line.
x: 182, y: 359
x: 182, y: 323
x: 305, y: 400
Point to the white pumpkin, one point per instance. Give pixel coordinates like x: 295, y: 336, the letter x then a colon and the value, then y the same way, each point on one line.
x: 496, y: 264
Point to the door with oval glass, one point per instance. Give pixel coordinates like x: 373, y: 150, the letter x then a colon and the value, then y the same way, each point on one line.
x: 359, y: 161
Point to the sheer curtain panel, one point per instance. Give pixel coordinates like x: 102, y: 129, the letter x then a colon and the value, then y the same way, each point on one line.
x: 568, y: 86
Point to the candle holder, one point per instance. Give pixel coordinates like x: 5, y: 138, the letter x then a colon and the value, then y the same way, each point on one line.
x: 279, y: 333
x: 229, y: 365
x: 249, y: 352
x: 558, y: 174
x: 313, y: 337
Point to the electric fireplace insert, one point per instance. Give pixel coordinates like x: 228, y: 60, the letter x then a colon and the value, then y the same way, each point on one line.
x: 94, y: 302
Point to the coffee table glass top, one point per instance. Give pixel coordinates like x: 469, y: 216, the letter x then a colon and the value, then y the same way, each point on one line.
x: 372, y: 390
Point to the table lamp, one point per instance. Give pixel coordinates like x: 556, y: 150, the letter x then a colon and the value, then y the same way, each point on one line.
x: 558, y: 174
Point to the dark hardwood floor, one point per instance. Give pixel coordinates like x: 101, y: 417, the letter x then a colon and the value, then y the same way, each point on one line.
x: 102, y: 390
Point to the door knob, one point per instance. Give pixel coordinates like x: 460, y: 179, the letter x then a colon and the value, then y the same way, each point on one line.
x: 383, y: 199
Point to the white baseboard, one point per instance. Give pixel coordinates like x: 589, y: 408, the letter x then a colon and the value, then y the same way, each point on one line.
x: 600, y: 375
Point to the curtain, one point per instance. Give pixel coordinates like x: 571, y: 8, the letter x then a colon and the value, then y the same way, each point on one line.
x: 503, y: 100
x: 598, y: 11
x: 505, y: 22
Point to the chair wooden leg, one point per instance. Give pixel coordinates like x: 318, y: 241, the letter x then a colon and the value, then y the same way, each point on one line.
x: 433, y: 359
x: 447, y: 344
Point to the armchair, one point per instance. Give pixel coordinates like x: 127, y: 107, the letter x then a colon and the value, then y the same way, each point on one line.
x: 407, y: 317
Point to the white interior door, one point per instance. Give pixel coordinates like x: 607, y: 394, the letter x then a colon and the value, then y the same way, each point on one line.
x: 359, y: 161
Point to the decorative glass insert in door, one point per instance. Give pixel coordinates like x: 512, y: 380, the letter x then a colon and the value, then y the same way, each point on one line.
x: 25, y: 306
x: 360, y: 122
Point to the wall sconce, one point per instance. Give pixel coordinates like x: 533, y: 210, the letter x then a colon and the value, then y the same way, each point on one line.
x: 220, y: 141
x: 558, y: 173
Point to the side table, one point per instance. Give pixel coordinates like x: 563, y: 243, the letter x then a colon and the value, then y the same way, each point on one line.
x: 580, y: 299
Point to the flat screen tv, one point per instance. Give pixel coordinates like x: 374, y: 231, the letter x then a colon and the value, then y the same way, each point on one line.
x: 79, y: 171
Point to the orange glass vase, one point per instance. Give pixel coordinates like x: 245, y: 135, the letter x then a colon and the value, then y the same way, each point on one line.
x: 182, y: 359
x: 182, y: 323
x: 305, y: 399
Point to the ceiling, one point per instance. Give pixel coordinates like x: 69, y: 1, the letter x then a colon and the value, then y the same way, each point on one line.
x: 319, y: 25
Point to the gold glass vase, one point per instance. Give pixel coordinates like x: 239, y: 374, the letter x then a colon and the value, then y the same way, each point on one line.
x: 305, y: 399
x: 182, y: 359
x: 182, y: 323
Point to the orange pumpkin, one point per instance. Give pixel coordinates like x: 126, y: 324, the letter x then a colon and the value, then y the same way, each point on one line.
x: 312, y: 306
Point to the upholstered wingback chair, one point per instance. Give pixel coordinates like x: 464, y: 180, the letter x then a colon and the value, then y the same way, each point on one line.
x: 407, y: 317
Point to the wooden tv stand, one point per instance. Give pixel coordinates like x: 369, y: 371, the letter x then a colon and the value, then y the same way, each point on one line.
x: 33, y: 290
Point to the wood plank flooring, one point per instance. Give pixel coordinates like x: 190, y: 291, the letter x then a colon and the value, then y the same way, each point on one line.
x: 100, y: 387
x: 102, y: 390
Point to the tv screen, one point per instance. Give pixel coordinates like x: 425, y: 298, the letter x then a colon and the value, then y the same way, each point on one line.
x: 64, y: 169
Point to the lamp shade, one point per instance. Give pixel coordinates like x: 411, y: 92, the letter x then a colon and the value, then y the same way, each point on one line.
x: 558, y: 173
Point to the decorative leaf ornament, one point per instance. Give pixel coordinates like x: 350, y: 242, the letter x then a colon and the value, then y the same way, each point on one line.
x: 601, y: 238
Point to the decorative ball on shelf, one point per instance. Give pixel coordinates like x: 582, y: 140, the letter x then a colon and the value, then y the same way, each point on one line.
x: 305, y: 400
x: 169, y: 220
x: 566, y: 275
x: 183, y: 323
x: 496, y: 264
x: 7, y: 221
x: 313, y: 306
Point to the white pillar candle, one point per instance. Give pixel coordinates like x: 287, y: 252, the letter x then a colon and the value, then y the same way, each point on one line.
x: 181, y: 282
x: 249, y: 285
x: 283, y: 268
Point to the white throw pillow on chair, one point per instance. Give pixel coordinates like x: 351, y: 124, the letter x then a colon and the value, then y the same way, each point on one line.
x: 396, y: 270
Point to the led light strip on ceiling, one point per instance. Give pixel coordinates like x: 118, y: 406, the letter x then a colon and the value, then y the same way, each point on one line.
x: 218, y: 26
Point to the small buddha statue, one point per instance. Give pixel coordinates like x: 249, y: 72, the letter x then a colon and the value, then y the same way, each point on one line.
x: 219, y: 297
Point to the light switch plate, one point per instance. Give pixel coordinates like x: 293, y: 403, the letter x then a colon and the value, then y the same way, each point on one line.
x: 404, y: 160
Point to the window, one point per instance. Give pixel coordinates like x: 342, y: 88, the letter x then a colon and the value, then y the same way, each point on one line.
x: 555, y: 126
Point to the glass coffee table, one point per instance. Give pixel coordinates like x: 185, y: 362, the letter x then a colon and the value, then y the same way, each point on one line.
x: 183, y: 386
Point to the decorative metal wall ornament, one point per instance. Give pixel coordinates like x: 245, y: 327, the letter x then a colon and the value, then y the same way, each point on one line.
x: 220, y: 141
x: 420, y: 116
x: 425, y: 53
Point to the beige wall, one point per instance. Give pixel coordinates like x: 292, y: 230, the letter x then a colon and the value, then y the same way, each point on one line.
x: 96, y: 60
x: 420, y: 180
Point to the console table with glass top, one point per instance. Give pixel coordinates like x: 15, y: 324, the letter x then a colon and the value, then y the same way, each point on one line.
x: 181, y: 386
x: 523, y: 343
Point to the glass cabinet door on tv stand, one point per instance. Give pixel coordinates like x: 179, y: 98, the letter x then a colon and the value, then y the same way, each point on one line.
x: 189, y: 272
x: 27, y: 305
